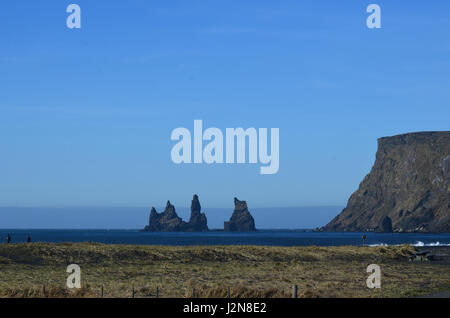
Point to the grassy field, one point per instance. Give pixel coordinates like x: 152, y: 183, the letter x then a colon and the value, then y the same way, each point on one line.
x: 249, y: 271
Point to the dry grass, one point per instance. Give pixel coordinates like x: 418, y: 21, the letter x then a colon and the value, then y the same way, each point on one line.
x: 249, y: 271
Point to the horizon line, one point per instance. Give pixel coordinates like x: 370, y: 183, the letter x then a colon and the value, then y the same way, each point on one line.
x: 149, y: 207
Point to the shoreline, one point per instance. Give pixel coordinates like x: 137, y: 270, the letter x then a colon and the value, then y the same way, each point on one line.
x: 218, y: 238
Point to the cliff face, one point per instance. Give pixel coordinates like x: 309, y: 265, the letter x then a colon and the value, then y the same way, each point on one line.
x: 241, y: 220
x: 169, y: 221
x: 407, y: 190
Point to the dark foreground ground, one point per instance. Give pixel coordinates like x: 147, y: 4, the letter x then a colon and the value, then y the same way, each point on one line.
x: 442, y: 254
x: 443, y: 258
x: 39, y: 270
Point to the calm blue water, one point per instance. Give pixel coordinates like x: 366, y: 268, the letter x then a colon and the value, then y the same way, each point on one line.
x: 278, y: 238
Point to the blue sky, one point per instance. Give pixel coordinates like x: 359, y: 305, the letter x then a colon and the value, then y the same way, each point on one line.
x: 86, y: 115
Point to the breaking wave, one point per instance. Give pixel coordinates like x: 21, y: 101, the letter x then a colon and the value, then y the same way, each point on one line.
x: 417, y: 244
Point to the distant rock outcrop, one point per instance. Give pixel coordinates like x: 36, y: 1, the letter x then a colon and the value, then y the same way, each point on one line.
x: 169, y: 221
x: 241, y: 220
x: 198, y: 221
x: 407, y: 190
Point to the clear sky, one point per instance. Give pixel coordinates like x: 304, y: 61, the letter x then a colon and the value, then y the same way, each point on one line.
x: 86, y: 115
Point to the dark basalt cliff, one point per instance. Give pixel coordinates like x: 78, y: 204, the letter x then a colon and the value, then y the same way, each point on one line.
x: 407, y: 190
x: 241, y: 220
x: 169, y: 221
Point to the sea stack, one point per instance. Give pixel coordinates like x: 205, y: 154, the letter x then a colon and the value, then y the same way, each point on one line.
x: 241, y: 220
x: 407, y: 190
x: 198, y: 221
x: 169, y: 221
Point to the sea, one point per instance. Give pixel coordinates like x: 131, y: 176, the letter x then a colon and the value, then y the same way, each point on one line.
x: 262, y: 237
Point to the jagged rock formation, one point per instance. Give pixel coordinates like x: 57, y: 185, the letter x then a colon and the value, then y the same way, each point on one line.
x: 407, y: 190
x: 169, y: 221
x: 197, y: 222
x: 241, y: 220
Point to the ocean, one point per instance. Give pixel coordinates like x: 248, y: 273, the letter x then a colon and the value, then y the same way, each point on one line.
x: 263, y: 237
x: 137, y: 217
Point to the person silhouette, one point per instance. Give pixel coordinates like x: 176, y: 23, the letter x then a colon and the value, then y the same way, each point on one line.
x: 29, y: 239
x: 8, y: 238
